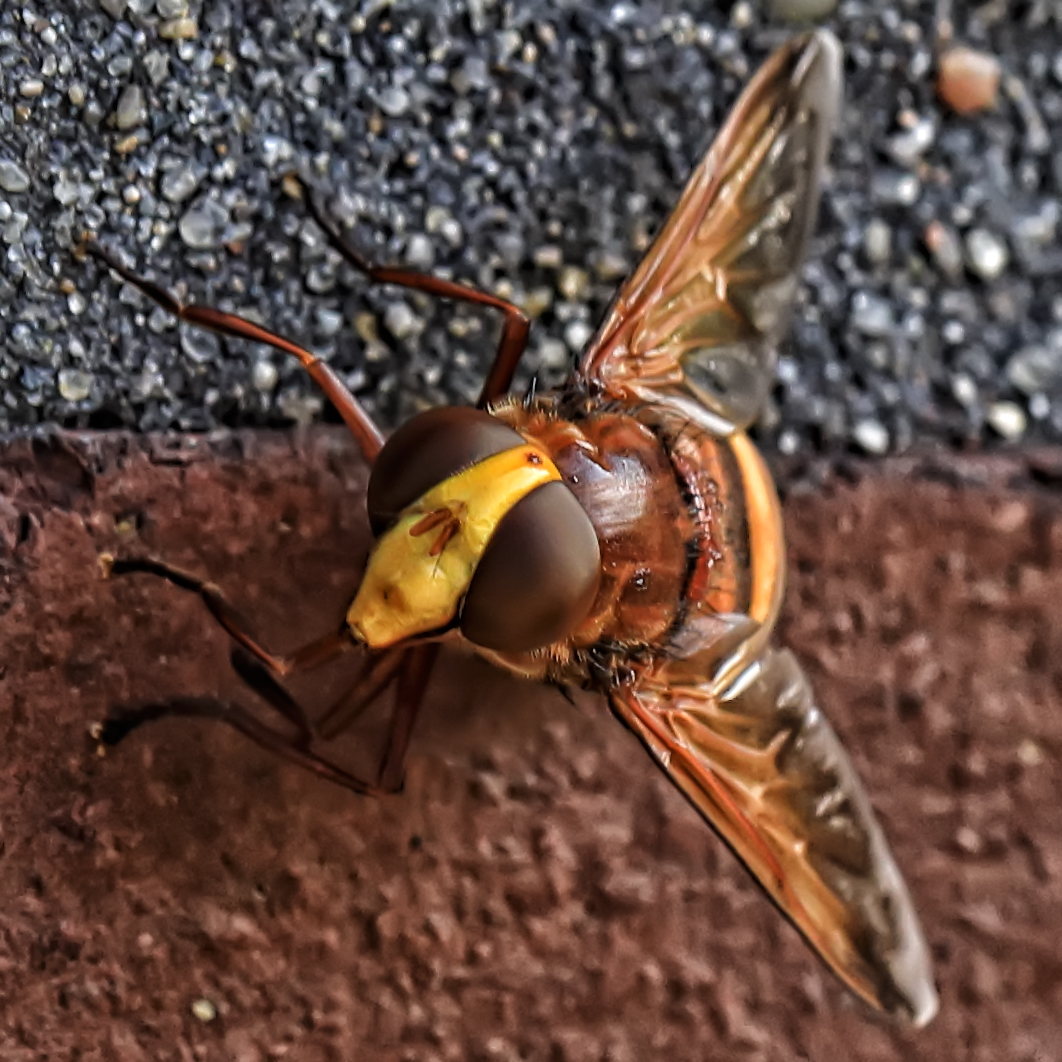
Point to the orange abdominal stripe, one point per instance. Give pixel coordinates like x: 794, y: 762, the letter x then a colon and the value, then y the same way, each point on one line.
x: 415, y: 580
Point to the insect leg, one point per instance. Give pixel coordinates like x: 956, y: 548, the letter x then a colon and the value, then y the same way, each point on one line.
x: 516, y: 324
x: 308, y: 656
x: 259, y: 679
x: 365, y: 432
x: 416, y: 665
x: 377, y: 673
x: 412, y: 668
x: 116, y: 728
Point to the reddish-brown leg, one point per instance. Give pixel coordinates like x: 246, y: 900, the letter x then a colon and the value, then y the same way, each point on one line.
x: 368, y: 436
x: 119, y: 726
x: 516, y: 324
x: 311, y: 655
x: 257, y: 667
x: 377, y: 673
x: 259, y: 679
x: 417, y: 664
x: 412, y: 667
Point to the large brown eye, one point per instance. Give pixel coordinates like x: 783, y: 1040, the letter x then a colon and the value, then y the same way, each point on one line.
x: 538, y: 576
x: 428, y: 449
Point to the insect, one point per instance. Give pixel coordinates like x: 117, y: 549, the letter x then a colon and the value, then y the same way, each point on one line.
x: 621, y: 534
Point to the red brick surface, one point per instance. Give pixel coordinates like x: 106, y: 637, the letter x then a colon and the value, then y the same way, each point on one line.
x: 538, y: 891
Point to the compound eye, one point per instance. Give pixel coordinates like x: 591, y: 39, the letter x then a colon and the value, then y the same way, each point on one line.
x: 430, y: 448
x: 538, y: 576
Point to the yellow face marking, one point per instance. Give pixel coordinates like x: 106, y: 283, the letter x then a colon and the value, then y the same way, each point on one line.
x: 416, y: 579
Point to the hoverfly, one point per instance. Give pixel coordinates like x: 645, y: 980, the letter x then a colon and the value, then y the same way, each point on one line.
x: 621, y: 534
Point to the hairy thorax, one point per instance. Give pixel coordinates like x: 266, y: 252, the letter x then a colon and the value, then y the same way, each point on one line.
x: 670, y: 525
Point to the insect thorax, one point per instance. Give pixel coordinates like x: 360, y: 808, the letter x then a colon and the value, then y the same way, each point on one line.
x: 665, y: 502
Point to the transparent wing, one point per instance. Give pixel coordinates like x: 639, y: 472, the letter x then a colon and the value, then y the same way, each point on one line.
x: 766, y: 771
x: 696, y: 324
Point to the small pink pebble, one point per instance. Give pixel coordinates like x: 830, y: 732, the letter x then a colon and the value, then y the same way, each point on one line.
x: 968, y: 81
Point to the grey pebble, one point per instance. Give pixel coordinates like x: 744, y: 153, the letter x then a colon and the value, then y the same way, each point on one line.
x: 1008, y: 419
x: 264, y: 375
x: 554, y: 353
x: 964, y: 388
x: 400, y: 320
x: 577, y: 335
x: 802, y: 10
x: 420, y: 254
x: 872, y: 436
x: 1036, y: 368
x: 908, y: 147
x: 572, y: 283
x: 13, y: 178
x: 179, y: 29
x: 200, y: 345
x: 276, y: 149
x: 548, y: 257
x: 320, y: 278
x: 900, y: 189
x: 946, y: 249
x: 986, y: 254
x: 74, y: 385
x: 179, y: 182
x: 147, y: 385
x: 872, y: 315
x: 203, y: 224
x: 14, y: 229
x: 132, y: 109
x: 393, y: 101
x: 157, y: 66
x: 329, y: 322
x: 299, y: 407
x: 877, y: 241
x: 1039, y: 406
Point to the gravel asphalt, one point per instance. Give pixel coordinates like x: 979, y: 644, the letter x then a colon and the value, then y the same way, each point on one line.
x: 530, y: 147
